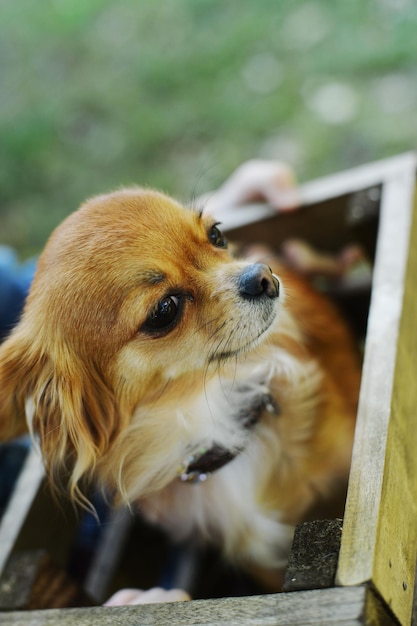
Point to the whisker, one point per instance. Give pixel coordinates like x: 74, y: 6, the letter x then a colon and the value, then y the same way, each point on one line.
x: 196, y: 201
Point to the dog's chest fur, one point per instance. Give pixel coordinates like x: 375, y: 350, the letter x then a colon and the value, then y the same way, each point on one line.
x: 265, y: 415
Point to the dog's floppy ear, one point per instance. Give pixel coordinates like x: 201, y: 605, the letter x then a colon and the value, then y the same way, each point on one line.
x: 66, y: 402
x: 14, y: 366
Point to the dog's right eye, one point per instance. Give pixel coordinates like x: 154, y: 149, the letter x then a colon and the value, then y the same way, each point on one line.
x: 165, y: 316
x: 217, y: 238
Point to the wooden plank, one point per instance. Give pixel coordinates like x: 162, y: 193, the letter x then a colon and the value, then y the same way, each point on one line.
x: 326, y: 188
x: 327, y: 607
x: 113, y: 538
x: 34, y: 519
x: 364, y: 532
x: 396, y: 544
x: 306, y: 223
x: 31, y: 580
x: 357, y: 178
x: 314, y: 553
x: 25, y: 491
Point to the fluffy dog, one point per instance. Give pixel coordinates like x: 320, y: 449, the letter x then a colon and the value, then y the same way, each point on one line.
x: 216, y: 394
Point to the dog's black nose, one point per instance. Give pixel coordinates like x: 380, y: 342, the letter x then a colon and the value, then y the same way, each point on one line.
x: 257, y: 280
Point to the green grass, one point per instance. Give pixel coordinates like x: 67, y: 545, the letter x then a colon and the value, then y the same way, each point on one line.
x: 177, y: 93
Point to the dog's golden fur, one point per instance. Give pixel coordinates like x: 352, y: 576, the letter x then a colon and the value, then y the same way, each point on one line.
x: 115, y: 400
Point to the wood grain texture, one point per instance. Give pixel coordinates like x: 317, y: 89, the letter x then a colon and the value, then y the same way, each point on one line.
x: 379, y: 539
x: 396, y: 544
x: 314, y: 553
x: 317, y: 192
x: 341, y: 607
x: 25, y: 491
x: 32, y: 580
x: 34, y: 519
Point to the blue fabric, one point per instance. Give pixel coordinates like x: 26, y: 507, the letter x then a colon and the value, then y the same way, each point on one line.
x: 15, y: 279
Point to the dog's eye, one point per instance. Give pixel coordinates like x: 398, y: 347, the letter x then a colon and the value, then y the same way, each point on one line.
x: 217, y: 238
x: 165, y: 316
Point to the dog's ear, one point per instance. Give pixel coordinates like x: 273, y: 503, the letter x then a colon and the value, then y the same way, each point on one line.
x: 64, y: 401
x: 13, y: 367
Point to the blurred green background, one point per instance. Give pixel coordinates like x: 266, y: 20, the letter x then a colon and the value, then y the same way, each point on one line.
x: 95, y: 94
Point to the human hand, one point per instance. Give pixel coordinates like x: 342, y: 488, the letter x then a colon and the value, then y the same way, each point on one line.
x: 256, y: 180
x: 150, y: 596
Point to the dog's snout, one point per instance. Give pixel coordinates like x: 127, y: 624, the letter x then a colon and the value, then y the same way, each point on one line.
x: 257, y: 280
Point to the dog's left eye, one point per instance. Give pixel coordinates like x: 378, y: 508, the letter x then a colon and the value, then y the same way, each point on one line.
x: 217, y: 238
x: 165, y: 316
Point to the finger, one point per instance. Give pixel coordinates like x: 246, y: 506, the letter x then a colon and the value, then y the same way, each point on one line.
x: 123, y: 597
x: 273, y: 182
x: 284, y: 200
x: 154, y: 595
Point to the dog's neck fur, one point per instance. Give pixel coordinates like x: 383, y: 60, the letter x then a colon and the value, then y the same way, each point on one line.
x: 199, y: 465
x: 199, y: 509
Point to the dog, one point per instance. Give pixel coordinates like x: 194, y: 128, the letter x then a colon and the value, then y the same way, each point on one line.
x: 215, y: 394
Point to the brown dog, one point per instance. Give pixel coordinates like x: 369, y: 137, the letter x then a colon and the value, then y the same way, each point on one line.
x: 148, y: 358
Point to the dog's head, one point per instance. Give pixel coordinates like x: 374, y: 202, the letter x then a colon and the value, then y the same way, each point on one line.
x: 136, y: 304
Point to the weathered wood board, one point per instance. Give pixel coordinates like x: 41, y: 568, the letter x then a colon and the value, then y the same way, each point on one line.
x: 330, y: 607
x: 379, y: 540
